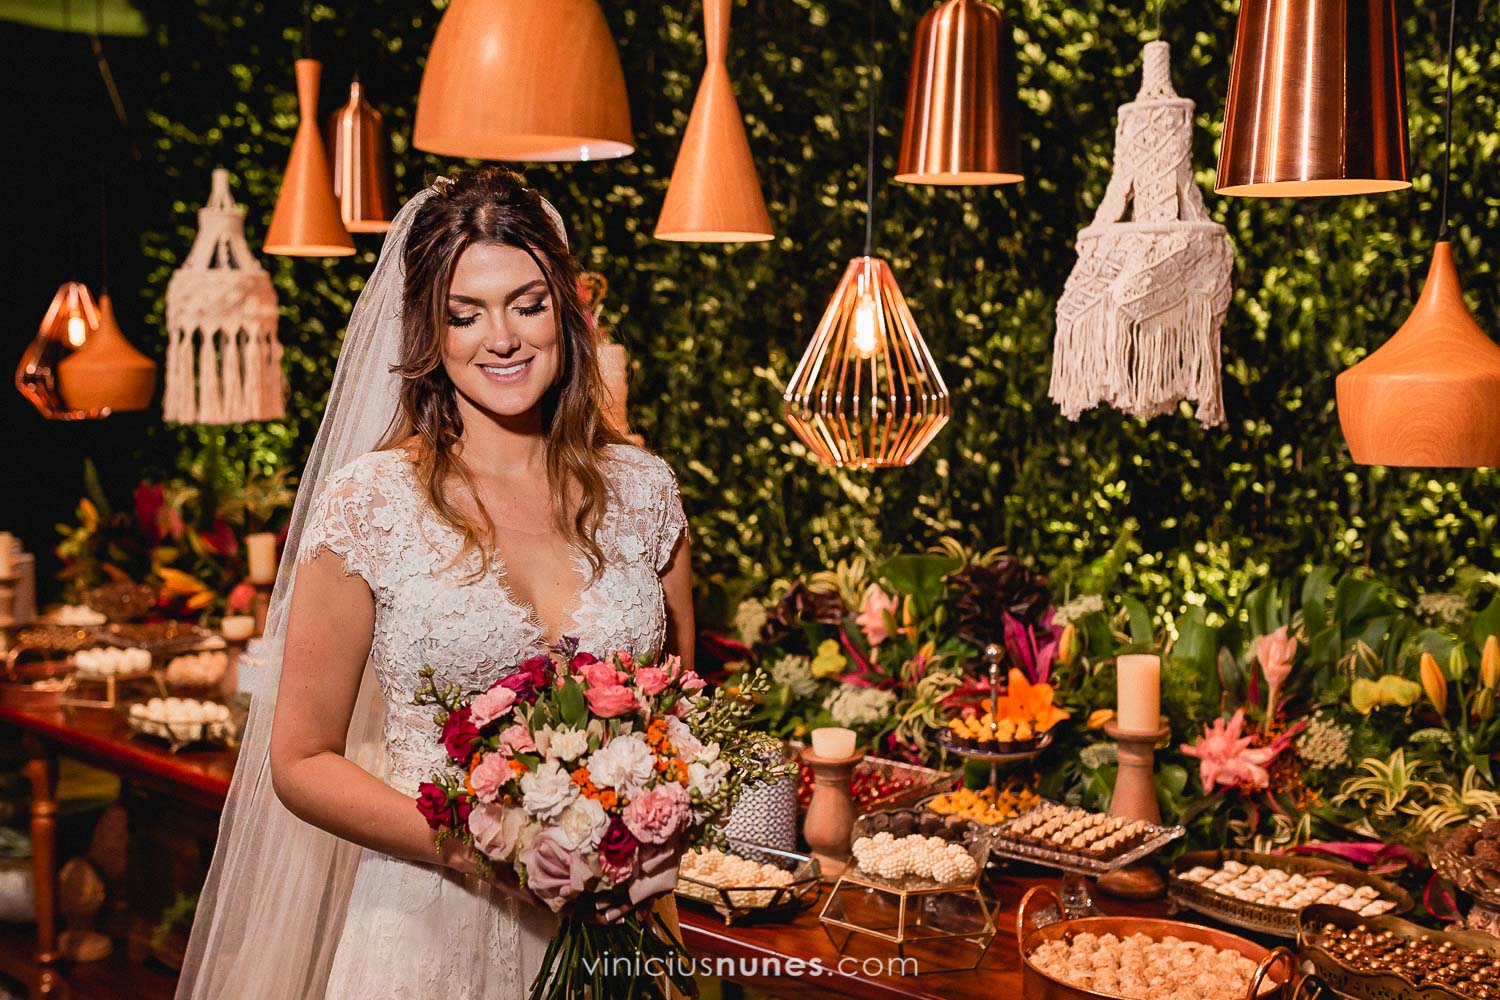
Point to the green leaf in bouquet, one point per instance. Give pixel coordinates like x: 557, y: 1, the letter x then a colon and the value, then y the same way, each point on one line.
x: 920, y: 575
x: 1355, y: 600
x: 531, y: 760
x: 1141, y: 631
x: 571, y: 704
x: 1325, y: 645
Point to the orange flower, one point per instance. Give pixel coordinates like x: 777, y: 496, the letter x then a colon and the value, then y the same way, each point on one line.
x: 517, y: 766
x: 468, y: 778
x: 607, y: 798
x: 581, y: 776
x: 1033, y: 702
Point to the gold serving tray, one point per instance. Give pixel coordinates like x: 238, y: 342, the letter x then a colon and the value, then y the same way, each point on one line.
x: 1351, y: 982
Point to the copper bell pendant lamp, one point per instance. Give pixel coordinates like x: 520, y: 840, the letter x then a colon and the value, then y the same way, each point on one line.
x: 107, y: 375
x: 1316, y: 102
x: 961, y: 105
x: 361, y: 173
x: 306, y: 221
x: 714, y: 196
x: 867, y: 393
x: 524, y: 80
x: 72, y: 317
x: 1429, y: 396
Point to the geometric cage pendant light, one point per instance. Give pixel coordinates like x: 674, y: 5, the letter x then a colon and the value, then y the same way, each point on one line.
x: 867, y: 393
x: 1429, y: 396
x: 1316, y: 103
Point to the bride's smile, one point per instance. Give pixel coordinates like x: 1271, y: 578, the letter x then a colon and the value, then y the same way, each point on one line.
x: 502, y: 348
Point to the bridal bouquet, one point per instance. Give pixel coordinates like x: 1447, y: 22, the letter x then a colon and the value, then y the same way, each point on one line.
x: 589, y: 777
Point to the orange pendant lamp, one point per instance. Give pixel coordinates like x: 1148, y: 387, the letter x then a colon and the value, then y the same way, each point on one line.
x: 524, y: 80
x: 357, y: 147
x: 715, y: 194
x: 1429, y: 396
x: 71, y: 319
x: 867, y: 393
x: 1316, y: 102
x: 306, y: 221
x: 961, y: 105
x: 107, y: 374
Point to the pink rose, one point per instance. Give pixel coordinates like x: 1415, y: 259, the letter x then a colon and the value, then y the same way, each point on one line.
x: 496, y: 830
x: 651, y: 680
x: 658, y: 874
x: 554, y: 873
x: 598, y: 674
x: 1275, y: 653
x: 871, y: 617
x: 680, y: 710
x: 691, y: 682
x: 490, y: 776
x: 491, y: 705
x: 516, y: 739
x: 609, y: 702
x: 672, y: 664
x: 626, y: 661
x: 689, y: 748
x: 657, y: 814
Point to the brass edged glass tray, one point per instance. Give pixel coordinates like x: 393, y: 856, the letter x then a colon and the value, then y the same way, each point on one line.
x: 735, y: 903
x: 1075, y: 863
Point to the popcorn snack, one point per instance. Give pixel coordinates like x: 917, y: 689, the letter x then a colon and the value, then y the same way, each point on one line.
x: 1141, y: 968
x: 1064, y: 828
x: 730, y: 871
x: 1286, y: 890
x: 990, y: 806
x: 932, y: 858
x: 1467, y: 972
x: 110, y: 661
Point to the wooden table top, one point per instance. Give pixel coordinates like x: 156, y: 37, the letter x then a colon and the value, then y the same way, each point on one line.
x: 103, y: 737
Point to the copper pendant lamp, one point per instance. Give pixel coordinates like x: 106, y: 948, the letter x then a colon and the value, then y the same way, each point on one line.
x: 71, y: 319
x: 715, y: 194
x: 107, y: 374
x: 1316, y: 102
x: 357, y: 147
x: 867, y: 393
x: 1429, y: 396
x: 961, y: 105
x: 524, y: 80
x: 306, y: 221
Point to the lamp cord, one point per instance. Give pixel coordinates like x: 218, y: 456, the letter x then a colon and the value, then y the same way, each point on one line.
x: 307, y: 30
x: 1448, y: 126
x: 870, y: 152
x: 1156, y: 10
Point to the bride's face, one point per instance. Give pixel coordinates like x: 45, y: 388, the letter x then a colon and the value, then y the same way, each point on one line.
x: 503, y: 349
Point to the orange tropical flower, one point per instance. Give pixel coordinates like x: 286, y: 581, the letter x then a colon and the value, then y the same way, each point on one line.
x: 1033, y: 702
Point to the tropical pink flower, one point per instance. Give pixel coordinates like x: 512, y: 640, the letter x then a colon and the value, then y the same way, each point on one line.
x: 496, y: 829
x: 491, y: 705
x: 656, y: 814
x: 554, y: 873
x: 490, y: 776
x: 516, y: 739
x: 609, y: 702
x: 871, y: 617
x: 1275, y: 653
x: 1226, y: 758
x: 651, y: 680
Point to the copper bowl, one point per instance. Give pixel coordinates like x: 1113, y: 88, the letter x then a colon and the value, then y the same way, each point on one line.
x: 1032, y: 930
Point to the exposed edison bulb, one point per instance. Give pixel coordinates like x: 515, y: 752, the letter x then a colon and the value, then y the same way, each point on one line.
x: 865, y: 317
x: 77, y: 330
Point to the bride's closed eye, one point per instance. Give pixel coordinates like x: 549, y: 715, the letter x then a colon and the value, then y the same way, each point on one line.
x: 536, y: 308
x: 462, y: 321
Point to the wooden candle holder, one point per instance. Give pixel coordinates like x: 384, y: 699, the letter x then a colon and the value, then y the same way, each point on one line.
x: 1135, y: 799
x: 830, y: 814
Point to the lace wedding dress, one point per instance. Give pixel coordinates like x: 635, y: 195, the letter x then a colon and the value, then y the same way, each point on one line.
x: 414, y: 930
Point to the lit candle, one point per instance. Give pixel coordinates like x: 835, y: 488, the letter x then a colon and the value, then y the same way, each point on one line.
x: 833, y: 742
x: 237, y: 628
x: 6, y: 541
x: 1139, y: 694
x: 261, y: 547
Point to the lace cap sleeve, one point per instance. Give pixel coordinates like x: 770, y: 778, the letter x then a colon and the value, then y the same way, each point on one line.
x: 673, y: 524
x: 343, y: 520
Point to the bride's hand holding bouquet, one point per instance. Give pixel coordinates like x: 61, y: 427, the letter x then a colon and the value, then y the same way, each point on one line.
x: 586, y: 779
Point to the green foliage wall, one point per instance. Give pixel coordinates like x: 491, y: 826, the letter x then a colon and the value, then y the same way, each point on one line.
x: 715, y: 331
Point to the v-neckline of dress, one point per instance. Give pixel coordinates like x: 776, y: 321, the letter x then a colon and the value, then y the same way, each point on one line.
x: 500, y: 572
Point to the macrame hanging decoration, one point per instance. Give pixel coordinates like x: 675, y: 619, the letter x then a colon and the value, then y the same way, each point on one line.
x: 223, y: 361
x: 1138, y: 321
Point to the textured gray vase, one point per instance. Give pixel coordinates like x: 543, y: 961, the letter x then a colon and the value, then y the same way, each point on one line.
x: 767, y: 814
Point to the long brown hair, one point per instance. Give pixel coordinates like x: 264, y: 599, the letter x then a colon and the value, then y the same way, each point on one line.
x: 493, y: 205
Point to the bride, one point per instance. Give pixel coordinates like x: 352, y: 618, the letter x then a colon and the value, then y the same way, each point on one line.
x: 465, y: 506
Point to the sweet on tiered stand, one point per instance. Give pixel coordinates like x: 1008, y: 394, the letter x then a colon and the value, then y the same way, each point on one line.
x: 1013, y: 729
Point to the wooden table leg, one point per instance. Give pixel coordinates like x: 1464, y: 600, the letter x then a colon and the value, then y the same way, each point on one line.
x: 41, y: 768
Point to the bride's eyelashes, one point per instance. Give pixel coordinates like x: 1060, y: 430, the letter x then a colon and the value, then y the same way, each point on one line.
x: 535, y: 309
x: 462, y: 321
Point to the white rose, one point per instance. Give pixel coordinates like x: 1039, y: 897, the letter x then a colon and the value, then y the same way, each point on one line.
x: 543, y: 740
x: 581, y: 826
x: 547, y: 791
x: 705, y: 779
x: 681, y: 737
x: 567, y: 744
x: 623, y: 761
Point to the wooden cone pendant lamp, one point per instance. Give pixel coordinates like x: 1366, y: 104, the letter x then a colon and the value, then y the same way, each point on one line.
x: 1316, y: 103
x: 306, y: 221
x: 1429, y: 396
x: 361, y: 175
x: 867, y: 393
x: 715, y: 195
x: 961, y: 105
x: 524, y: 80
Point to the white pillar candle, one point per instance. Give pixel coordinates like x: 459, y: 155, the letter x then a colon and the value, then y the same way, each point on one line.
x: 1139, y: 693
x: 6, y: 541
x: 833, y: 742
x: 261, y: 547
x: 237, y: 628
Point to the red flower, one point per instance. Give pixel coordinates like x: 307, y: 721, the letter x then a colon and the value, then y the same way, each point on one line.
x: 619, y: 844
x: 460, y: 735
x: 241, y: 597
x: 220, y: 539
x: 582, y: 660
x: 148, y: 504
x: 432, y: 803
x: 529, y: 679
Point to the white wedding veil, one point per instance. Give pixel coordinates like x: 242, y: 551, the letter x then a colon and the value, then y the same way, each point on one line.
x: 272, y: 908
